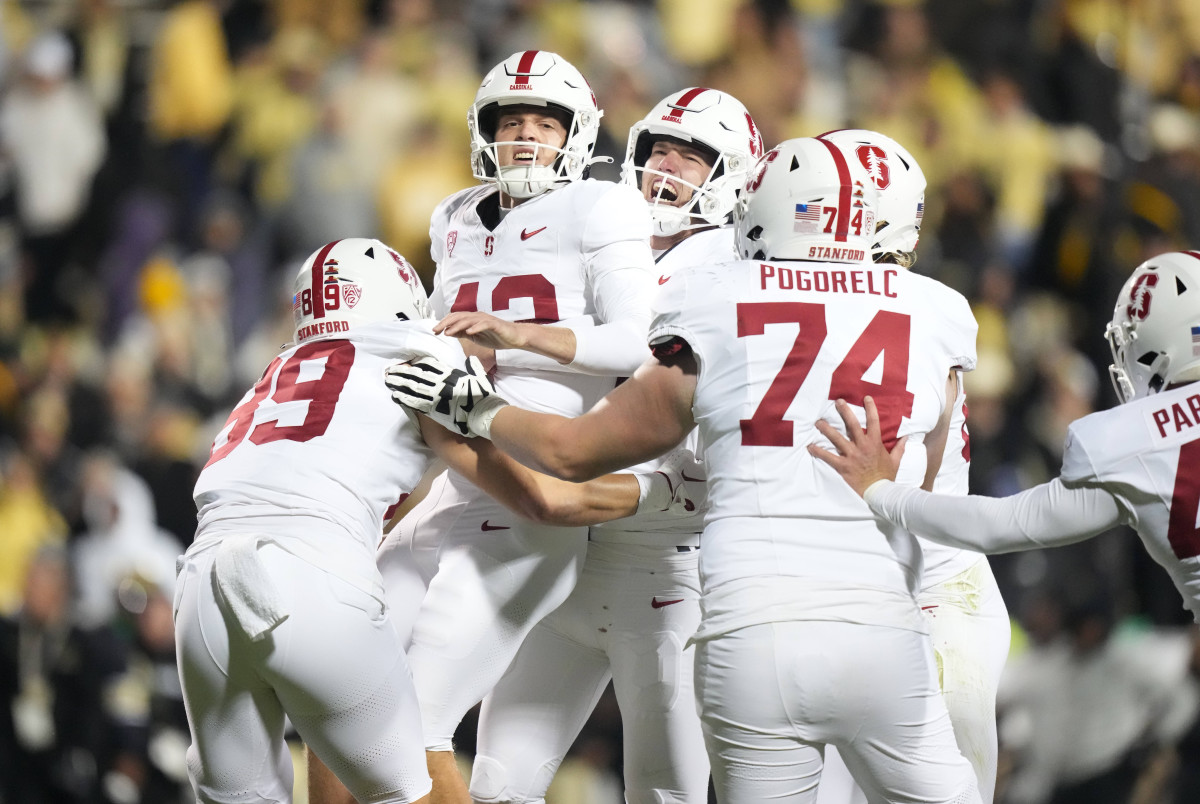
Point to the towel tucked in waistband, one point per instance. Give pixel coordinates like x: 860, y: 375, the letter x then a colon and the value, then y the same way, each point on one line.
x: 246, y: 585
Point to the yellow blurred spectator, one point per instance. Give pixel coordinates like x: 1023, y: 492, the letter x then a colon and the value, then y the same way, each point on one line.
x: 28, y: 523
x: 191, y: 79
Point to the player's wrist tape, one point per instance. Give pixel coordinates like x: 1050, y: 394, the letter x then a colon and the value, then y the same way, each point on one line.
x: 654, y: 492
x: 479, y: 420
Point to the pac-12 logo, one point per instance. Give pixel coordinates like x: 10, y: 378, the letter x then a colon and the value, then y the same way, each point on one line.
x: 352, y: 293
x: 874, y: 159
x: 1139, y: 297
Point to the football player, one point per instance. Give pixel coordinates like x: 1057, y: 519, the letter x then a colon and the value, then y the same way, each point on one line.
x: 968, y: 621
x: 810, y: 632
x: 566, y: 262
x: 637, y: 601
x: 1137, y: 464
x: 280, y: 609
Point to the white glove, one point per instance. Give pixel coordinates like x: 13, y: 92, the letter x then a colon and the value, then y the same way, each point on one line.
x: 678, y: 487
x: 449, y: 396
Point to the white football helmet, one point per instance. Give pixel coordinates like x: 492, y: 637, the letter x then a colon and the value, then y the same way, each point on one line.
x: 708, y: 118
x: 1155, y: 329
x: 901, y: 184
x: 534, y: 78
x: 352, y: 282
x: 805, y: 201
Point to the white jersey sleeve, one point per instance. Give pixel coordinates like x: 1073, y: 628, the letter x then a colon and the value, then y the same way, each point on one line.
x: 616, y: 246
x: 1049, y: 515
x: 573, y: 252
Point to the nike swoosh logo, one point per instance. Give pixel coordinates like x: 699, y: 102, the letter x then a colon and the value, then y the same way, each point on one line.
x: 662, y: 280
x: 486, y: 526
x: 655, y: 603
x: 525, y: 234
x: 692, y: 479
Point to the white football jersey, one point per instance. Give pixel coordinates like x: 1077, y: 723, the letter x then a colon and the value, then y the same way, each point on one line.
x: 709, y: 246
x: 318, y: 436
x: 1146, y: 454
x: 581, y: 250
x: 777, y: 344
x: 942, y: 562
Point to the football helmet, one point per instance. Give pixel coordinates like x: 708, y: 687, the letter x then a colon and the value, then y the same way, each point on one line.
x: 714, y: 121
x: 1155, y: 329
x: 805, y: 201
x: 352, y: 282
x: 901, y: 184
x: 534, y: 78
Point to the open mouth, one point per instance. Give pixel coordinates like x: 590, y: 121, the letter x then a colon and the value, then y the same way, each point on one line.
x: 664, y: 190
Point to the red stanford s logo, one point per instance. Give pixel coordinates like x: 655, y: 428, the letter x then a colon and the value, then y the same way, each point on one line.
x: 1139, y: 297
x: 756, y: 180
x: 874, y: 159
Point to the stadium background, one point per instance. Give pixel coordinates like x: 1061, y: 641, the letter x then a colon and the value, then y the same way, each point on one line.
x: 165, y: 166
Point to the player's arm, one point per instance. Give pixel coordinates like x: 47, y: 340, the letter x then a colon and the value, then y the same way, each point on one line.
x: 486, y: 331
x: 935, y: 440
x: 642, y: 418
x: 1049, y: 515
x: 546, y: 499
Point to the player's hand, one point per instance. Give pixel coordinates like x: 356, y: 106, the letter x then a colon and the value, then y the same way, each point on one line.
x: 483, y: 330
x: 445, y: 394
x: 679, y: 486
x: 861, y: 457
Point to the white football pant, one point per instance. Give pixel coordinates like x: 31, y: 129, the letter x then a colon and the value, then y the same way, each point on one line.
x: 335, y: 667
x: 970, y: 630
x: 772, y: 695
x: 477, y: 578
x: 628, y: 620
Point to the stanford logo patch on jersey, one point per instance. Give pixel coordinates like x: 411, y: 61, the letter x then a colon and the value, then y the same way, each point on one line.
x: 451, y: 239
x: 352, y: 292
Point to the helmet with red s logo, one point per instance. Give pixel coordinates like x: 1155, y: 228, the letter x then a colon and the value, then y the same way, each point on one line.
x: 805, y: 201
x: 711, y: 121
x: 1155, y: 329
x: 534, y: 78
x: 352, y: 282
x: 901, y: 184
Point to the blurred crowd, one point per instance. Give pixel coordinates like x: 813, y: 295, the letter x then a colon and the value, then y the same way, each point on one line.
x: 164, y: 167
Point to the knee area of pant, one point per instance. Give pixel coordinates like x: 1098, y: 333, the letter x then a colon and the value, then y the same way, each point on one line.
x: 492, y: 783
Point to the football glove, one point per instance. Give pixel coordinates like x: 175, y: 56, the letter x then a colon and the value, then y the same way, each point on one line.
x: 455, y: 398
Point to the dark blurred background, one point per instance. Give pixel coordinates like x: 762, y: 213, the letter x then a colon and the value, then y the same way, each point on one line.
x: 164, y: 167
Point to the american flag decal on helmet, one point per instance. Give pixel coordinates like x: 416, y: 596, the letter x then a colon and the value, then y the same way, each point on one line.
x: 808, y: 219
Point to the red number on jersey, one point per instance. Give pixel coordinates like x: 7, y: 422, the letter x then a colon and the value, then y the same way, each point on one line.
x: 768, y: 428
x: 886, y: 335
x: 527, y: 286
x: 321, y: 392
x: 1182, y: 530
